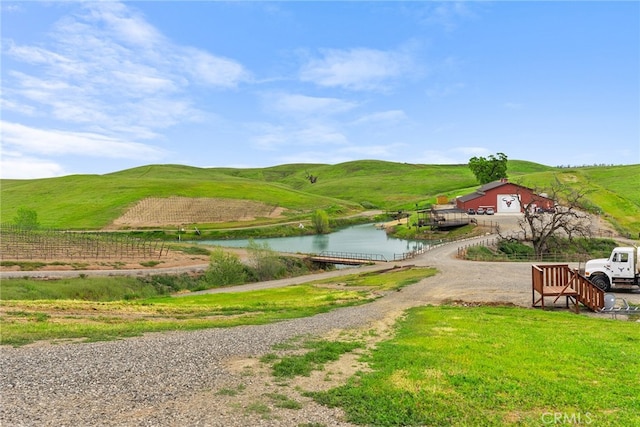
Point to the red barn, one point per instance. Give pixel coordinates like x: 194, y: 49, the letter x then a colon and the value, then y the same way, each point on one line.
x: 504, y: 197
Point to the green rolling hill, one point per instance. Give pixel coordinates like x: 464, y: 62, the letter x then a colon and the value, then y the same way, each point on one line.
x: 94, y: 201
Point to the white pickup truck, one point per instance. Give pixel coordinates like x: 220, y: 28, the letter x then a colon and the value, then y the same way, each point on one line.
x: 621, y: 268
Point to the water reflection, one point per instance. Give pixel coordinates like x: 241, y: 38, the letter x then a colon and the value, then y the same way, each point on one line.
x: 321, y: 242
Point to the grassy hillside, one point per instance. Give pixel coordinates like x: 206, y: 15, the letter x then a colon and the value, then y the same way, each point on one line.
x: 94, y: 201
x: 613, y: 190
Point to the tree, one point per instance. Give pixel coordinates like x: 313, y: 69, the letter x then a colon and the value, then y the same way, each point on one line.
x: 489, y: 169
x: 27, y: 219
x: 320, y: 220
x: 566, y: 219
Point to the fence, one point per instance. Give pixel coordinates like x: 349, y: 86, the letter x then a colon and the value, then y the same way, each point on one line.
x: 22, y: 244
x: 351, y: 256
x: 411, y: 254
x: 493, y: 242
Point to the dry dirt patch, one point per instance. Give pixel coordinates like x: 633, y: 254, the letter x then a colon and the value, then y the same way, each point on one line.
x: 253, y: 381
x: 156, y: 212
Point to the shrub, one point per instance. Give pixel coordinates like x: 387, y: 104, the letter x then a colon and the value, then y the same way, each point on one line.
x: 225, y: 269
x: 515, y: 249
x: 265, y: 262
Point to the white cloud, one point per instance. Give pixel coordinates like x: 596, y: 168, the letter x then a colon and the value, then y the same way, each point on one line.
x: 106, y: 69
x: 447, y: 14
x: 10, y: 8
x: 24, y: 109
x: 34, y: 54
x: 32, y: 141
x: 357, y: 69
x: 271, y: 138
x: 386, y: 118
x: 16, y: 166
x: 124, y: 23
x: 296, y: 104
x: 212, y: 70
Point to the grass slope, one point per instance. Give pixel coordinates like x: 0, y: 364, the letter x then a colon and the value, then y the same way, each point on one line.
x: 614, y: 190
x: 93, y: 201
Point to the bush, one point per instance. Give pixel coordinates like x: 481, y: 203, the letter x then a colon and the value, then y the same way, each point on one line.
x: 225, y: 269
x: 515, y: 249
x: 265, y: 262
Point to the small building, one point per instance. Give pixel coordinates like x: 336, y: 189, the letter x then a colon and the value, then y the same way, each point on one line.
x: 442, y: 219
x: 504, y: 197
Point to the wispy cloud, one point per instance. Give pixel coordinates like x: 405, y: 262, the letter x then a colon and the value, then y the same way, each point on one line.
x: 358, y: 68
x: 272, y: 138
x: 385, y: 118
x: 24, y: 139
x: 105, y: 69
x: 447, y: 15
x: 304, y: 105
x: 17, y: 166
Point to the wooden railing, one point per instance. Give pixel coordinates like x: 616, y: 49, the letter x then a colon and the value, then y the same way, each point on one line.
x: 588, y: 294
x: 558, y: 280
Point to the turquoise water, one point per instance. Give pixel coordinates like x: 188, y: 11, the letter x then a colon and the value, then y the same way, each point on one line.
x: 361, y: 239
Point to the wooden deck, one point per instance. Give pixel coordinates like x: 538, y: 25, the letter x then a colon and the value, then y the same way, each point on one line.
x: 558, y: 280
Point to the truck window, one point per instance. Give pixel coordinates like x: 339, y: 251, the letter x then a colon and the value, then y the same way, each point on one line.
x: 621, y: 257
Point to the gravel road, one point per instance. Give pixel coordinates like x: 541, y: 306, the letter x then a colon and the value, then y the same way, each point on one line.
x: 175, y: 379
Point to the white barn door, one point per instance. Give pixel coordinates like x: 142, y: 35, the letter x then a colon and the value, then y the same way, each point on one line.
x: 508, y: 203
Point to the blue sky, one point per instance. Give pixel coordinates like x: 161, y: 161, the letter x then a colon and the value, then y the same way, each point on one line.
x: 98, y: 87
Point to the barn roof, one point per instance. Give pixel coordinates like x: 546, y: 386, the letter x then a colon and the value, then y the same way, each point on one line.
x: 487, y: 187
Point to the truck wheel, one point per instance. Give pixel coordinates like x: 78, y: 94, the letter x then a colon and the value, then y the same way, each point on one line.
x: 601, y: 281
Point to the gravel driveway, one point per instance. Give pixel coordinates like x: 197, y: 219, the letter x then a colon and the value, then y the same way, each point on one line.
x: 176, y: 379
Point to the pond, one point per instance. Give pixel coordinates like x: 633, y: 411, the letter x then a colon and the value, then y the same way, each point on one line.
x: 357, y: 239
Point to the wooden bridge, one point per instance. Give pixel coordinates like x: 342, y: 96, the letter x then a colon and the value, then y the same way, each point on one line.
x: 558, y: 281
x: 347, y: 258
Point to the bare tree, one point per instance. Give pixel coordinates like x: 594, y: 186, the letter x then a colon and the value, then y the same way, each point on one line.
x: 566, y: 217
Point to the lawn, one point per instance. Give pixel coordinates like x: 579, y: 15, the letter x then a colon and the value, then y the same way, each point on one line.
x: 485, y: 366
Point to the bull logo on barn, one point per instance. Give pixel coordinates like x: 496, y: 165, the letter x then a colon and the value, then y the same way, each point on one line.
x: 508, y: 200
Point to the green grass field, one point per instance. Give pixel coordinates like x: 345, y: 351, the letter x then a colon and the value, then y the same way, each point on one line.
x: 496, y: 366
x: 94, y: 201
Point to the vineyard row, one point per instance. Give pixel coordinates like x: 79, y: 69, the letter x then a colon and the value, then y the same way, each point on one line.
x: 20, y: 244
